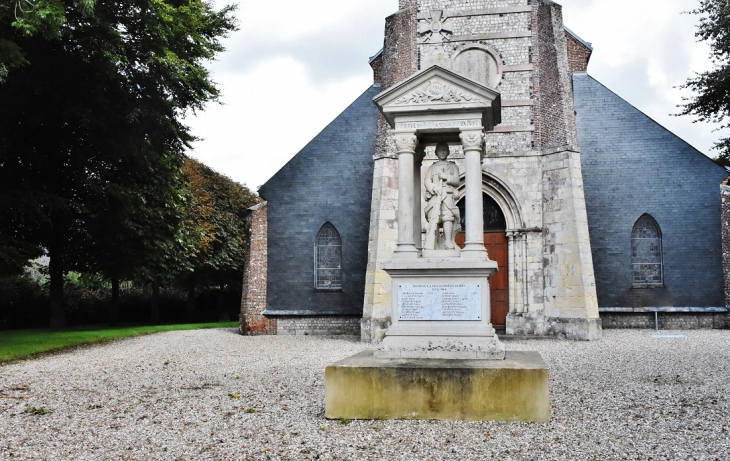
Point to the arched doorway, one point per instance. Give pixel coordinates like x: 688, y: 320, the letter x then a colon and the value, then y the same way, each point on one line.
x: 495, y: 240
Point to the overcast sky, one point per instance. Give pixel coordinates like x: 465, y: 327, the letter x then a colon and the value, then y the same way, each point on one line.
x: 294, y: 65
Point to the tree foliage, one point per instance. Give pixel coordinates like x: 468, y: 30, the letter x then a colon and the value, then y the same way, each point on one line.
x: 711, y: 102
x: 92, y: 150
x: 216, y: 220
x: 31, y: 17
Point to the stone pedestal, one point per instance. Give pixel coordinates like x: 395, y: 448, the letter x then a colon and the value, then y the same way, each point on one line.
x: 367, y: 387
x: 441, y: 310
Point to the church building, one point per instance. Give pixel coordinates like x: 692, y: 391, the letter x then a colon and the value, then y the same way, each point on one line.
x: 597, y: 216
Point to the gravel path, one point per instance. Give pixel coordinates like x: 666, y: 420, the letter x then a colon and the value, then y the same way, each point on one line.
x: 213, y: 394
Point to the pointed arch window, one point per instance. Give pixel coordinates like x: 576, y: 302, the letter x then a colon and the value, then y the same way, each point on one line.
x: 328, y: 259
x: 646, y: 253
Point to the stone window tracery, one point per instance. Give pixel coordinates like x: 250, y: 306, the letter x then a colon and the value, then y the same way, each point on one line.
x: 328, y: 259
x: 646, y: 253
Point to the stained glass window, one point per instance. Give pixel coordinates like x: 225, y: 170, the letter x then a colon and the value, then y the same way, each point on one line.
x: 646, y: 252
x: 328, y: 259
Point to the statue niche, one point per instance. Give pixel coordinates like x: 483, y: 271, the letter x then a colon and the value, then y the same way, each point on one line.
x: 442, y: 213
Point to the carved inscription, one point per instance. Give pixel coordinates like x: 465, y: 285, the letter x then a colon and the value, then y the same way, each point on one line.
x: 440, y: 301
x: 436, y: 124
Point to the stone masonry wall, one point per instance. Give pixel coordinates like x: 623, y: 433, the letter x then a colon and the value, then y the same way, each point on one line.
x: 667, y: 320
x: 400, y: 60
x: 253, y: 302
x: 578, y: 54
x: 319, y: 325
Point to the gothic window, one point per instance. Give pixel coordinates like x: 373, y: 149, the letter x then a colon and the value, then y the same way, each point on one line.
x: 646, y: 253
x: 328, y: 259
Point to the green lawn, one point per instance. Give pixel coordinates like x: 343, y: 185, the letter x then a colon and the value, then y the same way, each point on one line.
x: 22, y: 344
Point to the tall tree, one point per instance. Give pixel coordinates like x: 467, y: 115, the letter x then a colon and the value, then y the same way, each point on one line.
x: 94, y: 140
x: 711, y: 101
x: 216, y: 223
x: 31, y: 17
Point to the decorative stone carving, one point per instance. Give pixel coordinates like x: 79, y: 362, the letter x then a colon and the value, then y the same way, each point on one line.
x: 442, y: 213
x: 436, y: 90
x: 406, y: 142
x: 472, y: 140
x: 437, y: 29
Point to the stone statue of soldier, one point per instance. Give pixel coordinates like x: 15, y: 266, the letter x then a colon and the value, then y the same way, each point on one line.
x: 442, y: 182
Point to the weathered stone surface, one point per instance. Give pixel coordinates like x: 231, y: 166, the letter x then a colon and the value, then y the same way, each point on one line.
x: 318, y: 325
x: 366, y: 387
x: 253, y: 300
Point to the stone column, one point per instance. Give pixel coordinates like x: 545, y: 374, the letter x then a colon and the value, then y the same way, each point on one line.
x: 406, y: 143
x: 417, y: 210
x: 473, y: 140
x: 512, y: 271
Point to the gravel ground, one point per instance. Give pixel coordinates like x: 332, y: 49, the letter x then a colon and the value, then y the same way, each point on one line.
x: 213, y: 394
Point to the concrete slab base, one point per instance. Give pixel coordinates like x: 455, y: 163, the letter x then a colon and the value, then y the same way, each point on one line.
x: 367, y: 387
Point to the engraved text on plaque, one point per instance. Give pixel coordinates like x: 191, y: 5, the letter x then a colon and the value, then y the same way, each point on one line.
x: 426, y: 301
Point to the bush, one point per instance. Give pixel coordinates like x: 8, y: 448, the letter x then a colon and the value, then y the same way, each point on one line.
x: 25, y: 303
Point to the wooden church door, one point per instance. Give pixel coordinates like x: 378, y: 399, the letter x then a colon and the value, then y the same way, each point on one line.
x: 495, y: 240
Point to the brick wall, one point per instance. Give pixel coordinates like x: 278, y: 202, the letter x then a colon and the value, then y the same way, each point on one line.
x: 253, y: 302
x: 319, y: 325
x: 554, y: 117
x: 725, y: 192
x: 667, y: 320
x: 578, y: 54
x: 377, y: 65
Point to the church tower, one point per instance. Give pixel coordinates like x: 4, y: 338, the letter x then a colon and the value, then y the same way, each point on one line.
x: 534, y: 205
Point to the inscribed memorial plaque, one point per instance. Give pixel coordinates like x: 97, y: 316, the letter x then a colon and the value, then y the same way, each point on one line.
x: 426, y: 301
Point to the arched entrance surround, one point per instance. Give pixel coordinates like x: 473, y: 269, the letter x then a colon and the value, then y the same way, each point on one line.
x: 509, y: 290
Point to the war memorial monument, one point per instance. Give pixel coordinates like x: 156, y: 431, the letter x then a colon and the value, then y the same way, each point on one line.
x: 441, y: 357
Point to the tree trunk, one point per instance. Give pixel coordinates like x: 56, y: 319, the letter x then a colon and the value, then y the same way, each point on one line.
x: 155, y: 317
x: 58, y: 312
x: 190, y: 311
x: 114, y: 308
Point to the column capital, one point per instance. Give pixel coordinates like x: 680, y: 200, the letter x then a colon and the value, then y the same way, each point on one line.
x: 405, y: 142
x: 472, y: 139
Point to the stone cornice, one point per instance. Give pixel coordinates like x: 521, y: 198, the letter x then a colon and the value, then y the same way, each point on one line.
x: 481, y: 12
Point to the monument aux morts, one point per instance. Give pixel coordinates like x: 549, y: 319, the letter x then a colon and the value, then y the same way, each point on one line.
x: 592, y: 215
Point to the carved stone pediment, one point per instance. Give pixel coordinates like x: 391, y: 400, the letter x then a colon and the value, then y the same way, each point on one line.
x: 435, y: 91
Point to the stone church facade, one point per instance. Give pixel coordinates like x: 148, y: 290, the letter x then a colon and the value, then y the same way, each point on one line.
x: 597, y: 216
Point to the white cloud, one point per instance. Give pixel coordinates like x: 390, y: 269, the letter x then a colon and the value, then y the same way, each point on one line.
x: 268, y: 115
x: 644, y: 50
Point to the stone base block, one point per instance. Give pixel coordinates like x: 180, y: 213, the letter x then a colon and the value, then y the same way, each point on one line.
x: 367, y: 387
x: 442, y: 347
x: 577, y: 329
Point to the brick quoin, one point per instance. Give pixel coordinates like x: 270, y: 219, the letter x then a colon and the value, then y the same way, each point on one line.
x: 578, y: 54
x: 554, y: 120
x: 253, y: 303
x: 398, y: 61
x: 726, y: 242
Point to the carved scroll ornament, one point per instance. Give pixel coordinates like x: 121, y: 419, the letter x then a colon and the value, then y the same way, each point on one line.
x: 436, y: 90
x: 406, y: 142
x: 472, y: 140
